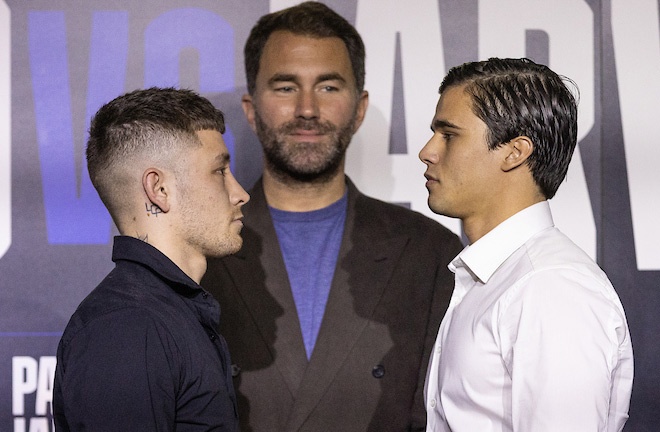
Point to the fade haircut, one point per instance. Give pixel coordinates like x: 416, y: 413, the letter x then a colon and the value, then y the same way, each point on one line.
x: 157, y: 123
x: 517, y: 97
x: 311, y: 19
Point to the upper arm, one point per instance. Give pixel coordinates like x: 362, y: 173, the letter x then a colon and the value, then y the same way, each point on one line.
x: 563, y: 338
x: 118, y: 374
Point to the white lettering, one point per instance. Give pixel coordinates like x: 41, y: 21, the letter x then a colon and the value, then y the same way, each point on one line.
x: 24, y: 381
x: 398, y: 177
x: 5, y: 128
x: 637, y: 50
x: 19, y: 424
x: 569, y: 25
x: 39, y: 424
x: 45, y: 381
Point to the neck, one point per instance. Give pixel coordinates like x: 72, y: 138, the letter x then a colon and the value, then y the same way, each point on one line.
x: 191, y: 262
x: 476, y: 227
x: 303, y: 196
x: 156, y: 233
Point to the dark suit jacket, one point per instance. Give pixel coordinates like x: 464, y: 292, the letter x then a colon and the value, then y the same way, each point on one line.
x: 390, y: 290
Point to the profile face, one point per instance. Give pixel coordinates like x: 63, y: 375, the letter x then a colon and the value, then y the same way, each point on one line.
x: 210, y: 198
x: 305, y: 108
x: 462, y: 174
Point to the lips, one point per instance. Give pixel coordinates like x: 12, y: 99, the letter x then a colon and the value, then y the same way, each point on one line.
x: 306, y: 132
x: 430, y: 180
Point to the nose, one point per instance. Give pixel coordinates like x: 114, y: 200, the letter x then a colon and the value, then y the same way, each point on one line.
x: 307, y: 106
x: 237, y: 194
x: 428, y: 154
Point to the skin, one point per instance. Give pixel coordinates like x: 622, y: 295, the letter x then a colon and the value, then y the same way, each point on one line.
x: 192, y: 210
x: 305, y: 109
x: 465, y: 179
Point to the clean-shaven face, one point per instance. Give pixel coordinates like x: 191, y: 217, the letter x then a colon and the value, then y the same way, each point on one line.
x: 462, y: 173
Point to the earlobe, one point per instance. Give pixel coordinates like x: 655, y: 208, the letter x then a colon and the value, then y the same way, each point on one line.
x: 157, y: 192
x: 248, y: 110
x: 517, y: 151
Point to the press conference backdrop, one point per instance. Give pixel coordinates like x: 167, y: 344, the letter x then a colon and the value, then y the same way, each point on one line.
x: 60, y: 60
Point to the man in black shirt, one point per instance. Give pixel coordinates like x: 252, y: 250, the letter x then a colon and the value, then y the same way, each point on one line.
x: 141, y: 351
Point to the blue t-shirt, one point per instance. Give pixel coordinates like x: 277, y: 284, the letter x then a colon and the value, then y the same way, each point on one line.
x: 310, y: 244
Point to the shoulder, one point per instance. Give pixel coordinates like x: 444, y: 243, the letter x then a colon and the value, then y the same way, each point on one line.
x: 553, y: 256
x: 401, y: 219
x: 117, y: 310
x: 560, y: 281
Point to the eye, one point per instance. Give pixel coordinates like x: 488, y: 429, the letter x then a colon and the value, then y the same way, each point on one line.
x: 284, y: 89
x: 329, y: 88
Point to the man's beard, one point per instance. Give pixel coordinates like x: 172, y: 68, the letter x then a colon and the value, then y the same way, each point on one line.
x: 304, y: 162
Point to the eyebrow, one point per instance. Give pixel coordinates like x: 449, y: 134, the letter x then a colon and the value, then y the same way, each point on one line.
x: 443, y: 124
x: 331, y: 77
x: 282, y: 77
x: 223, y: 158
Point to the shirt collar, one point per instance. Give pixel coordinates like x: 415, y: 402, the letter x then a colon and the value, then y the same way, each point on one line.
x: 132, y: 249
x: 204, y: 306
x: 483, y: 257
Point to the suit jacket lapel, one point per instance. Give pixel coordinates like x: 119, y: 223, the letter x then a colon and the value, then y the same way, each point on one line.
x: 358, y: 284
x: 289, y: 353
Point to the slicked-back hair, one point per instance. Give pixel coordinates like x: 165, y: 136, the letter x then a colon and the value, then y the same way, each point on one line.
x: 154, y: 122
x: 311, y: 19
x: 517, y: 97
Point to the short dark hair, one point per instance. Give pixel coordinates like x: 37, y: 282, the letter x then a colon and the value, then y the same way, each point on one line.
x: 152, y: 121
x: 309, y: 19
x: 517, y: 97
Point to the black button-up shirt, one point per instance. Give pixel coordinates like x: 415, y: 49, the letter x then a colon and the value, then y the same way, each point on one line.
x: 141, y: 352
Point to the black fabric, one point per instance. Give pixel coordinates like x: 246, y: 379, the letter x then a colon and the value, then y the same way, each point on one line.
x: 141, y: 352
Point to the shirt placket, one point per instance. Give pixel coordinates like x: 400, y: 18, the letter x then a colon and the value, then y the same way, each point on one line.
x: 462, y: 283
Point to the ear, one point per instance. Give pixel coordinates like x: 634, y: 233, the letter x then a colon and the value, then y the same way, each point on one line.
x: 363, y: 103
x: 248, y: 110
x: 156, y: 189
x: 516, y: 152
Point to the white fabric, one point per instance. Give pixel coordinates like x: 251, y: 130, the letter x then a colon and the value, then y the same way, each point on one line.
x: 534, y: 339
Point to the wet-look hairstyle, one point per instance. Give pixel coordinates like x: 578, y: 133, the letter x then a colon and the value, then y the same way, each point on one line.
x: 518, y: 97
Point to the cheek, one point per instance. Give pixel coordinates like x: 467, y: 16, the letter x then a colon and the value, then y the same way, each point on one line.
x: 275, y: 111
x: 338, y: 110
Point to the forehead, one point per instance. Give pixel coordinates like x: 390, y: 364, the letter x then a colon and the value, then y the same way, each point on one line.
x: 213, y: 145
x: 455, y: 103
x: 453, y: 100
x: 287, y: 52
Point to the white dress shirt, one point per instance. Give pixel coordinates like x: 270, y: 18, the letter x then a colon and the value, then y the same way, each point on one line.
x: 534, y: 339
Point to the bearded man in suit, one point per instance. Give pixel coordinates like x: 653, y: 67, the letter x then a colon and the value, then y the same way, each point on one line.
x: 332, y: 305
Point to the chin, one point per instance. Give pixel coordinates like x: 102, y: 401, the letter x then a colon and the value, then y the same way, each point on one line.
x: 438, y: 208
x: 235, y: 245
x: 227, y: 247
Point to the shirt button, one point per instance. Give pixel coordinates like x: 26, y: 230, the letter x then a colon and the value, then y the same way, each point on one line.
x: 235, y: 370
x: 432, y: 403
x: 212, y: 336
x: 378, y: 371
x: 438, y: 348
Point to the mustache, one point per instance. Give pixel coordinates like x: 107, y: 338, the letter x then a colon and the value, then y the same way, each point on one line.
x: 307, y: 125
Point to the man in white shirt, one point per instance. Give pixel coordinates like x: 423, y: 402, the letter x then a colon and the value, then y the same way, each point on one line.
x: 535, y: 337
